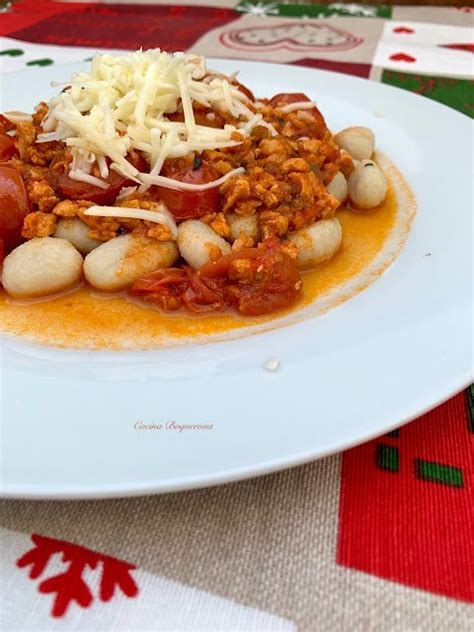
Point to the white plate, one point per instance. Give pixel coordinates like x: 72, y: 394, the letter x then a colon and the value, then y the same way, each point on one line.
x: 390, y: 353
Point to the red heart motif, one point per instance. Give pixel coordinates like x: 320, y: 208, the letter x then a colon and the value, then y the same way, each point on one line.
x: 403, y: 29
x: 402, y: 57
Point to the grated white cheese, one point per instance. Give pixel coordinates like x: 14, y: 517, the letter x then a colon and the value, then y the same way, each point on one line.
x: 186, y: 186
x: 161, y: 216
x: 243, y: 110
x: 122, y: 104
x: 272, y: 364
x: 104, y: 169
x: 299, y: 105
x: 125, y: 192
x: 82, y: 176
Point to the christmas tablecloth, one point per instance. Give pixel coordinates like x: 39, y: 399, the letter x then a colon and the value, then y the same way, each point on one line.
x: 379, y: 538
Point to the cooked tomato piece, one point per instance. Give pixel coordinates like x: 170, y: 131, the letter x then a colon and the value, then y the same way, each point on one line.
x: 173, y: 288
x: 255, y: 281
x: 315, y: 128
x: 259, y: 280
x: 203, y: 295
x: 163, y: 287
x: 7, y: 147
x: 189, y: 204
x: 13, y: 207
x: 76, y: 190
x: 5, y: 125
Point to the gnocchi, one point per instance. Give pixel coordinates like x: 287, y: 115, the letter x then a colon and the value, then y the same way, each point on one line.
x: 359, y: 142
x: 367, y: 185
x: 117, y: 263
x: 77, y: 233
x: 41, y: 266
x: 338, y: 187
x: 243, y: 226
x: 198, y: 244
x: 317, y: 243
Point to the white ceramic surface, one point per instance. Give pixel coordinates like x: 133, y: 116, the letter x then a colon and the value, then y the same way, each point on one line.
x: 382, y: 358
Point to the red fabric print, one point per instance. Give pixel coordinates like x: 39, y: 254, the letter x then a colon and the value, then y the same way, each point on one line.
x: 407, y: 503
x: 403, y: 29
x: 25, y: 13
x: 70, y: 586
x: 124, y: 26
x: 402, y: 57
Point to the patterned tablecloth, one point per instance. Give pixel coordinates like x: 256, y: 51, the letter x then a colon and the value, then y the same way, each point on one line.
x: 378, y: 538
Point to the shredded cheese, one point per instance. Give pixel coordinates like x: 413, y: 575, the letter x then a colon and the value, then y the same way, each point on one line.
x: 161, y: 216
x: 299, y: 105
x: 82, y: 176
x: 125, y: 192
x: 186, y: 186
x: 272, y: 364
x: 123, y: 103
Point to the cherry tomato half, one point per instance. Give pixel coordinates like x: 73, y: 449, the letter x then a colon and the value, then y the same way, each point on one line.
x: 7, y: 147
x: 314, y: 129
x: 13, y: 207
x: 243, y: 89
x: 5, y: 125
x: 189, y: 204
x: 285, y: 98
x: 76, y: 190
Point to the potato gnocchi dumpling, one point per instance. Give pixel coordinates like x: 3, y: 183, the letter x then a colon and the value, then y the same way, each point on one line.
x: 338, y: 187
x: 41, y: 266
x: 318, y: 243
x: 77, y: 233
x: 116, y: 264
x: 198, y: 244
x: 359, y: 142
x: 242, y: 226
x: 367, y: 185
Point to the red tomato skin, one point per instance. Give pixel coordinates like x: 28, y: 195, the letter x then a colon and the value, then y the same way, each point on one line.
x: 240, y: 86
x: 271, y: 283
x: 75, y: 190
x: 189, y: 204
x: 7, y: 147
x: 315, y: 129
x: 13, y: 207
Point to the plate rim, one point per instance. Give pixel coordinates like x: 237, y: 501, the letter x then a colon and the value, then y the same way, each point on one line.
x: 263, y: 468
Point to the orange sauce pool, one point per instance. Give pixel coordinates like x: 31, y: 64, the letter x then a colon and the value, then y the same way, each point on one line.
x: 84, y: 319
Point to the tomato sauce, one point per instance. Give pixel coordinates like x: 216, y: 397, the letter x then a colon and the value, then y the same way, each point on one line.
x: 86, y: 319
